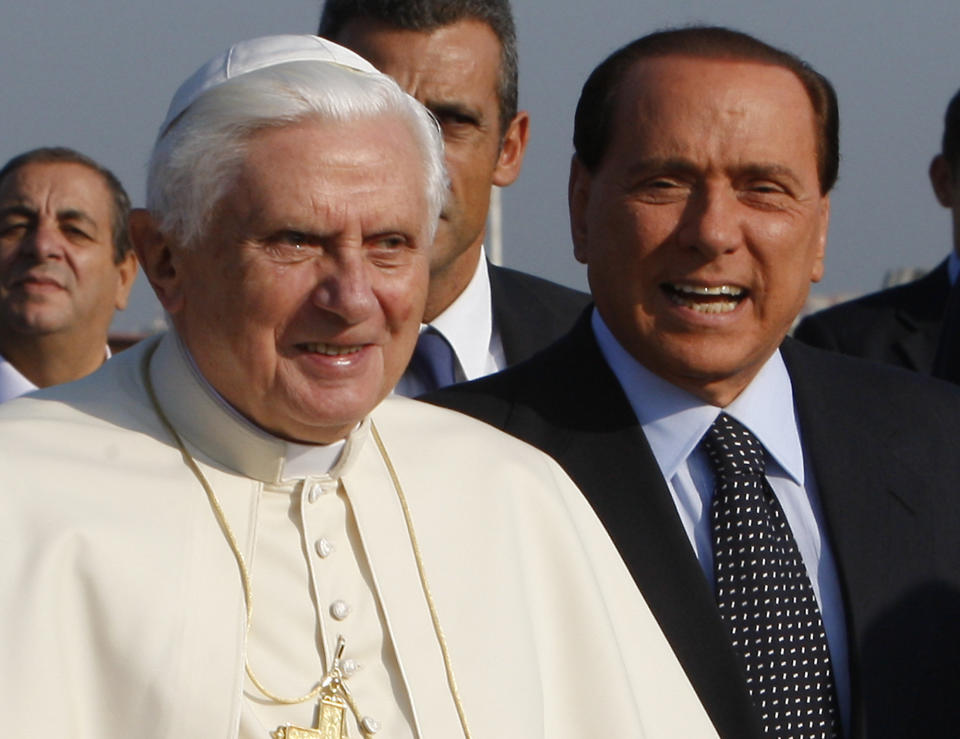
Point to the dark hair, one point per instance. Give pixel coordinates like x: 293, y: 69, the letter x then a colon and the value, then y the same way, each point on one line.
x: 597, y: 104
x: 428, y: 15
x: 951, y: 135
x: 120, y: 205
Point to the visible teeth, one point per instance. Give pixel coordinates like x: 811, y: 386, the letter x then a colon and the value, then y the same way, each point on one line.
x: 330, y: 350
x: 721, y: 290
x: 692, y: 297
x: 713, y: 307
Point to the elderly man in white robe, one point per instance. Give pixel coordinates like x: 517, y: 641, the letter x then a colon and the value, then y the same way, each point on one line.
x: 228, y: 531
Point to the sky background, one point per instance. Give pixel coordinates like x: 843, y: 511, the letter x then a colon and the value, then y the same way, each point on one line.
x: 97, y: 76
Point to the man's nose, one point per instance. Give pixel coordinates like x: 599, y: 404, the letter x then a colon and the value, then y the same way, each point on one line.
x: 346, y: 287
x: 44, y: 241
x: 711, y: 223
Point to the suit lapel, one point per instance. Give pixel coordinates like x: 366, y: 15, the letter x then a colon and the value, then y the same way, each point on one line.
x: 512, y: 317
x: 922, y: 319
x: 602, y: 446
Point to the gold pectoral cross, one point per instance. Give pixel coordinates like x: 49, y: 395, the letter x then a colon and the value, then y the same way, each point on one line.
x: 331, y: 722
x: 332, y: 710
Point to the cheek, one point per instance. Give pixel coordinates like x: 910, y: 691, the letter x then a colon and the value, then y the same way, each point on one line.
x: 402, y: 303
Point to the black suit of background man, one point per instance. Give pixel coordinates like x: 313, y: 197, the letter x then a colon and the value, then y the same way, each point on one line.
x: 531, y: 312
x: 899, y: 326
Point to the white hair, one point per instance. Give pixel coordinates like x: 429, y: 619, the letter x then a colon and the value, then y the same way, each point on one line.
x: 195, y: 160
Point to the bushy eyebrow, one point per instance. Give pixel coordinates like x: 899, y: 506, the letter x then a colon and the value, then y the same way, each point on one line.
x: 75, y: 214
x: 445, y: 108
x: 68, y: 214
x: 17, y: 210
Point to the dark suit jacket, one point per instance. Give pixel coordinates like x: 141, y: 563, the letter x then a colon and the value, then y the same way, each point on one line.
x: 529, y: 312
x: 899, y: 325
x: 887, y: 465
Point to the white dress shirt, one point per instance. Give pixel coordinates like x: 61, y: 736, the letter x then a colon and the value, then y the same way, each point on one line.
x: 13, y: 384
x: 674, y: 422
x: 467, y: 325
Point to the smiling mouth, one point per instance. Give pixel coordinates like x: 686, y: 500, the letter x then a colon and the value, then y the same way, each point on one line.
x: 718, y: 299
x: 329, y: 350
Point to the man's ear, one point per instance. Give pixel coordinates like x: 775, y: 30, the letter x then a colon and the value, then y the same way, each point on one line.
x: 127, y: 273
x: 941, y: 177
x: 512, y: 149
x: 821, y: 246
x: 578, y: 198
x: 158, y: 258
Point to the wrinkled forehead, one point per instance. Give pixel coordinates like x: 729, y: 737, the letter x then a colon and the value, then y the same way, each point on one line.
x: 755, y: 96
x: 60, y: 185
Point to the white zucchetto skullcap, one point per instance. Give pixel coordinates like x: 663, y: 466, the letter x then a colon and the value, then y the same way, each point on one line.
x: 259, y: 53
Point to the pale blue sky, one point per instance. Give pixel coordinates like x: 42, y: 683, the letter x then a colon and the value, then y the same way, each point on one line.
x: 97, y: 75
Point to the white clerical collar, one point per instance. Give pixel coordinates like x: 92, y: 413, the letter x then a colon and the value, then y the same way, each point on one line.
x: 203, y: 417
x: 674, y: 421
x: 467, y: 323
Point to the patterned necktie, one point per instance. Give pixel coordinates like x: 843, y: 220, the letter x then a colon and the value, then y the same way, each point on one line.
x: 764, y: 594
x: 433, y: 360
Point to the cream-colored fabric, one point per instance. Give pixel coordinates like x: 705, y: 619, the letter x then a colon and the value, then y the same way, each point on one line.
x: 123, y: 613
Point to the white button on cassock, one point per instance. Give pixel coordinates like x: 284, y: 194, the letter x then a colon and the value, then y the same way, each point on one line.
x: 370, y: 725
x: 339, y: 609
x: 316, y: 490
x: 324, y: 548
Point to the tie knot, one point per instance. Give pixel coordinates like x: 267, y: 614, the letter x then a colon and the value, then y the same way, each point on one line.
x: 433, y: 360
x: 733, y: 450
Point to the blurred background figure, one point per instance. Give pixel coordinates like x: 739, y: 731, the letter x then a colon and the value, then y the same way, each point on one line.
x: 901, y: 325
x: 65, y: 266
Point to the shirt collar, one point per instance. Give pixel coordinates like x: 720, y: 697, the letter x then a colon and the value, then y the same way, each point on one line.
x: 204, y: 418
x: 467, y: 323
x: 674, y: 421
x: 12, y: 382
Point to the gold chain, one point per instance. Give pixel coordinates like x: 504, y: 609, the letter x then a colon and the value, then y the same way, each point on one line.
x: 245, y: 573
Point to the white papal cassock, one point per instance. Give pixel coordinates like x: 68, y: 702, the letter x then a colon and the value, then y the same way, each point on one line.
x: 123, y: 610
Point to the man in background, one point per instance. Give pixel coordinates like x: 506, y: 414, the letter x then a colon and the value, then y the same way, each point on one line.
x: 66, y: 265
x: 459, y: 58
x: 901, y: 325
x: 789, y: 514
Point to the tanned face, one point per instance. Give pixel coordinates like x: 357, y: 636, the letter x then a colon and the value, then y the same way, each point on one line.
x: 58, y: 273
x: 703, y: 226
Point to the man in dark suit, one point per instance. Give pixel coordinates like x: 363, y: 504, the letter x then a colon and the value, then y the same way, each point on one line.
x: 699, y: 198
x: 459, y: 59
x: 901, y: 325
